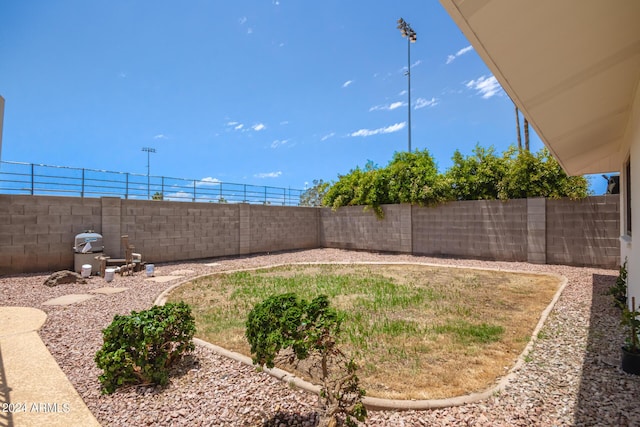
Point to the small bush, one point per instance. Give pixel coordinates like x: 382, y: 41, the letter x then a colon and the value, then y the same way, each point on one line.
x: 286, y: 321
x: 619, y: 290
x: 140, y: 348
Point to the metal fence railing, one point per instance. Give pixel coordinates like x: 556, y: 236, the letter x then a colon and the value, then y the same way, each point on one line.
x: 38, y: 179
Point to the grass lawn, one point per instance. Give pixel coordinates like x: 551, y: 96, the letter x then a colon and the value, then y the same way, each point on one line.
x: 416, y: 332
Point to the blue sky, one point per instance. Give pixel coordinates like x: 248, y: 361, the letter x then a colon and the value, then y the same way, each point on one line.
x: 269, y: 92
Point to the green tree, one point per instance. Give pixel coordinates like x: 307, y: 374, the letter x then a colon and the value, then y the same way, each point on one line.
x: 538, y: 175
x: 313, y: 196
x: 157, y: 196
x: 367, y: 187
x: 476, y: 177
x: 414, y: 178
x: 408, y: 178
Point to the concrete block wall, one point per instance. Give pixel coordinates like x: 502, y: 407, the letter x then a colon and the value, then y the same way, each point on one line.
x: 278, y: 228
x: 536, y: 231
x: 489, y: 229
x: 37, y: 233
x: 171, y: 231
x: 353, y: 227
x: 583, y: 232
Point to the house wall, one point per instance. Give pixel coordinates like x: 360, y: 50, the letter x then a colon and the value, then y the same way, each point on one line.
x: 627, y: 250
x: 37, y: 232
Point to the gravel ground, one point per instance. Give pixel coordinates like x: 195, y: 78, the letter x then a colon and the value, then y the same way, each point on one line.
x: 571, y: 377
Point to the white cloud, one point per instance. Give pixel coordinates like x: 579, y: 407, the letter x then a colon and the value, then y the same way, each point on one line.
x: 258, y: 127
x: 388, y: 107
x: 242, y: 20
x: 347, y: 83
x: 461, y: 52
x: 284, y: 122
x: 279, y: 142
x: 402, y: 93
x: 327, y: 136
x: 180, y: 196
x: 249, y: 30
x: 235, y: 125
x: 421, y: 103
x: 389, y: 129
x: 160, y: 136
x: 485, y: 86
x: 208, y: 181
x: 268, y: 175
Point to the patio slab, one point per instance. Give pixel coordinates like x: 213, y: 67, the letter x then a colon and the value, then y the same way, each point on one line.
x: 68, y: 299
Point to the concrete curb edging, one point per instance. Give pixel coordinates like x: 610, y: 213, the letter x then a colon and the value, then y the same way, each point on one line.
x: 375, y: 403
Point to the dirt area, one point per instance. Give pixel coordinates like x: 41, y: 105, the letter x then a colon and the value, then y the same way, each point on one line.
x: 416, y: 331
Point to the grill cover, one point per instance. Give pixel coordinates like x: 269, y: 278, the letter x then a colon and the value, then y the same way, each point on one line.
x: 88, y: 242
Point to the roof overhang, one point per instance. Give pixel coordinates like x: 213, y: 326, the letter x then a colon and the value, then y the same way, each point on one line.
x: 572, y: 67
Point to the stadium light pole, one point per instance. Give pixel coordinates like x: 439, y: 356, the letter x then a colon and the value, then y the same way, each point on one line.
x: 149, y: 150
x: 407, y: 31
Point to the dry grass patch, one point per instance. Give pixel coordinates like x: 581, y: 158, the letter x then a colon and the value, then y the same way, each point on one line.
x: 416, y: 332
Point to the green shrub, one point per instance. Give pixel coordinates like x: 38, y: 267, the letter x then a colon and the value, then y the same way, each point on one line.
x: 286, y: 321
x: 619, y: 289
x: 139, y: 348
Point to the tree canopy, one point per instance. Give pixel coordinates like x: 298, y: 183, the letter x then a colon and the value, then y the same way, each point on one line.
x: 413, y: 177
x: 313, y: 195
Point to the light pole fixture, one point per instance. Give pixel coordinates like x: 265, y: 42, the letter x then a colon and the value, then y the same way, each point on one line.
x: 149, y: 150
x: 407, y: 31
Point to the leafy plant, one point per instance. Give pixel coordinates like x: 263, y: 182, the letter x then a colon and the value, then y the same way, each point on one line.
x: 619, y: 289
x: 286, y: 321
x: 630, y: 319
x: 139, y: 348
x: 414, y: 178
x: 538, y: 175
x: 477, y: 177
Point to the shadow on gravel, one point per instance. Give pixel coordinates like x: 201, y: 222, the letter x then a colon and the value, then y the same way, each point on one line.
x: 188, y: 363
x: 607, y: 396
x: 280, y: 418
